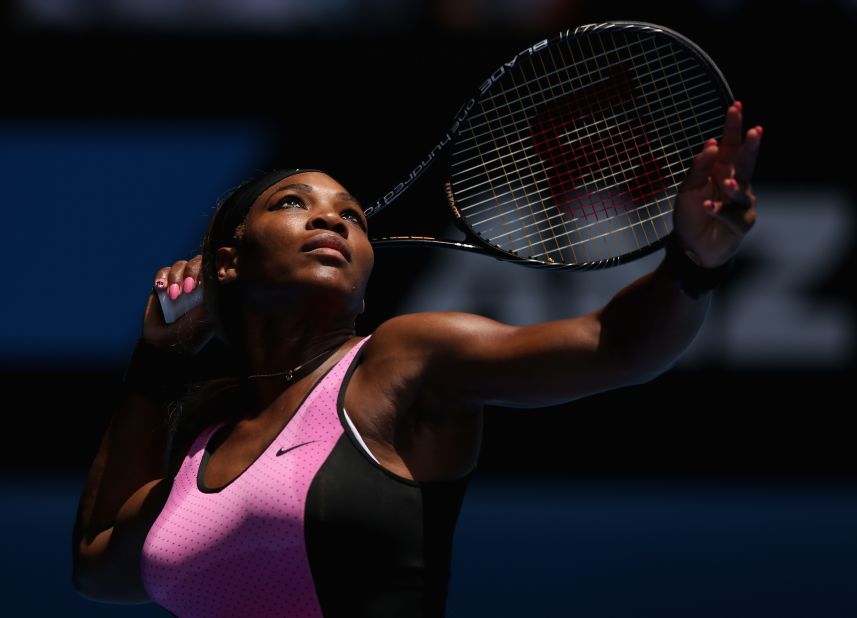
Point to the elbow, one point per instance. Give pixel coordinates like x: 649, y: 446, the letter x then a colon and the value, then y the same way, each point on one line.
x: 638, y: 370
x: 83, y: 560
x: 635, y: 375
x: 644, y: 377
x: 83, y: 580
x: 84, y: 577
x: 94, y: 577
x: 95, y: 586
x: 78, y: 579
x: 82, y: 585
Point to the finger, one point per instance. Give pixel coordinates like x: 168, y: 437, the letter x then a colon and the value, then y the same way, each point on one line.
x: 701, y: 167
x: 731, y: 140
x: 746, y: 161
x: 175, y: 278
x: 161, y: 278
x: 191, y: 275
x: 730, y: 144
x: 735, y: 194
x: 737, y: 218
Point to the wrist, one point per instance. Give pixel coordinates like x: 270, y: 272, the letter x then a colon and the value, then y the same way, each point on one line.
x: 693, y: 279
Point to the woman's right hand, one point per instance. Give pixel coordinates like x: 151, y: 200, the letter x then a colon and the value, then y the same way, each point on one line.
x: 188, y: 334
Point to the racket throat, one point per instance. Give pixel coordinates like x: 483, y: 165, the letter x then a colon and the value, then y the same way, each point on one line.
x: 447, y: 190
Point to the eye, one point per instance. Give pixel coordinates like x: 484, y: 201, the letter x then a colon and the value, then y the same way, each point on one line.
x: 290, y: 201
x: 354, y: 216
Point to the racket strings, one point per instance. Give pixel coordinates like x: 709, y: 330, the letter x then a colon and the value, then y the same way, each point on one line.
x: 691, y: 74
x: 521, y: 112
x: 558, y: 221
x: 540, y: 190
x: 544, y: 224
x: 537, y: 192
x: 689, y: 144
x: 608, y: 122
x: 589, y: 227
x: 564, y: 66
x: 525, y: 199
x: 619, y: 130
x: 595, y: 156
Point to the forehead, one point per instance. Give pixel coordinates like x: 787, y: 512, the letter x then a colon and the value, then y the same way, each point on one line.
x: 317, y: 182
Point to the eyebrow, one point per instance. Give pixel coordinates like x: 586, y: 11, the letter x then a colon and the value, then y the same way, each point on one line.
x: 346, y: 197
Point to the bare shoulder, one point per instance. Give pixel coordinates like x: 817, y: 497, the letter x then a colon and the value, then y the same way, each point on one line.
x: 398, y: 367
x: 434, y: 332
x: 410, y: 356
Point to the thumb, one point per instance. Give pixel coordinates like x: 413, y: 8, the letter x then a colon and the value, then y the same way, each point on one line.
x: 701, y: 168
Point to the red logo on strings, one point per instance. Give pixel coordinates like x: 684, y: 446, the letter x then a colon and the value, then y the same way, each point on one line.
x: 597, y: 148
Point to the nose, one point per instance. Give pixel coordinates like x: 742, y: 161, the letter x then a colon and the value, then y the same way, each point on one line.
x: 328, y: 219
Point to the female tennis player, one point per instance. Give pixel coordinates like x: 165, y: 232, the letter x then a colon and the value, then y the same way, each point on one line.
x: 326, y: 478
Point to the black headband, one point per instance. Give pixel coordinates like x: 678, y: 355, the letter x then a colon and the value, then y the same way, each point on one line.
x: 260, y: 185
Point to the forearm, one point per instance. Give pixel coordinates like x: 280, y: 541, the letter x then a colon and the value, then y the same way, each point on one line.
x: 133, y: 451
x: 652, y: 322
x: 135, y: 448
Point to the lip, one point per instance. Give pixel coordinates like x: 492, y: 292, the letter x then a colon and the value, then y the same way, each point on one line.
x: 327, y: 241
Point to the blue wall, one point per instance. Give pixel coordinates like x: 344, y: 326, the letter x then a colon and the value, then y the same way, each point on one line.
x: 90, y: 212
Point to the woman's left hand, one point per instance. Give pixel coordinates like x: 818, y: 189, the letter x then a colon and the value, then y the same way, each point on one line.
x: 715, y: 206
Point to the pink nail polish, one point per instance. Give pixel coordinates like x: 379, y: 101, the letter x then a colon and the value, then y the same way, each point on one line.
x: 174, y: 291
x: 187, y: 288
x: 739, y: 105
x: 709, y: 205
x: 731, y: 183
x: 711, y: 142
x: 759, y: 129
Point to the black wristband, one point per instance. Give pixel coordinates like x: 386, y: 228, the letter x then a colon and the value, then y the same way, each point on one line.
x: 693, y: 279
x: 158, y: 374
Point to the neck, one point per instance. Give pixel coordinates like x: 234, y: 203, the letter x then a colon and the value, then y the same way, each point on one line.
x: 280, y: 340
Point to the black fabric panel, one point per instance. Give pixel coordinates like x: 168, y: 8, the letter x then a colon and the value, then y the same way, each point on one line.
x: 379, y: 547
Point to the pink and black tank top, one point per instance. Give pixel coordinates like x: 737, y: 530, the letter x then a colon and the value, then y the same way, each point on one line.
x: 314, y: 527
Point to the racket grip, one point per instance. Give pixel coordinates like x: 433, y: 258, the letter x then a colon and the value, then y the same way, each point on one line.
x: 171, y: 309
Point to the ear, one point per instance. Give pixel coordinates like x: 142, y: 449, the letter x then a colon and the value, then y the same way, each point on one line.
x: 226, y: 263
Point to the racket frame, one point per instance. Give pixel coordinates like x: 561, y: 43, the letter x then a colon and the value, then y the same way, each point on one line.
x: 473, y: 242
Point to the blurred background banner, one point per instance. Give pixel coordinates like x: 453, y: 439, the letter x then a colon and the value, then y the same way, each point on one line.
x: 124, y: 122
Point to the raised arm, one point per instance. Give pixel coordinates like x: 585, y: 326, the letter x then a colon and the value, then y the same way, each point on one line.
x: 638, y: 335
x: 128, y: 481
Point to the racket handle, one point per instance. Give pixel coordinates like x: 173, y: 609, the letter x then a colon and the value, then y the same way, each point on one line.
x: 171, y: 309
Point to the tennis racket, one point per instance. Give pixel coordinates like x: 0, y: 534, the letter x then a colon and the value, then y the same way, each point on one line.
x: 570, y: 154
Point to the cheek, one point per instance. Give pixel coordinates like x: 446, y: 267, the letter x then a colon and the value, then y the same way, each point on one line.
x: 271, y: 249
x: 367, y: 260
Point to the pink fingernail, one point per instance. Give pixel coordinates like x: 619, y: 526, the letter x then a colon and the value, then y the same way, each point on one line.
x: 732, y: 183
x: 759, y: 129
x: 711, y: 142
x: 188, y: 285
x: 174, y: 291
x: 709, y: 205
x: 738, y: 105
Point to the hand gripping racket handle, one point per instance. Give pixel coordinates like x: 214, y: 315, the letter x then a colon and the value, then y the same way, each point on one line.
x: 172, y: 310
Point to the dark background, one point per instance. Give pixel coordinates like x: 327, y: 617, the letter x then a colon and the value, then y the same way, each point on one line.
x: 122, y: 126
